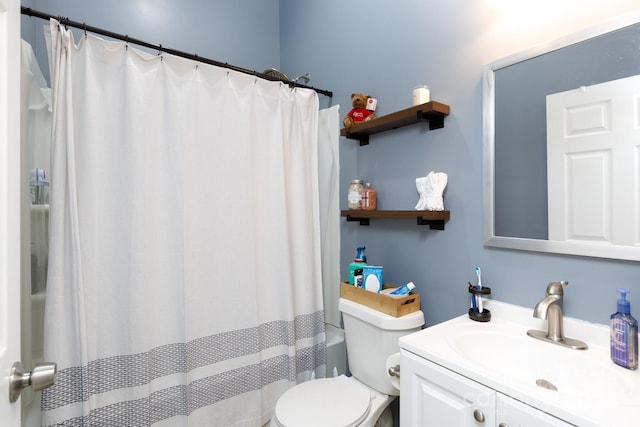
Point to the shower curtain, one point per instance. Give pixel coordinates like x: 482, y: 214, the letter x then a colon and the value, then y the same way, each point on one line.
x: 184, y: 283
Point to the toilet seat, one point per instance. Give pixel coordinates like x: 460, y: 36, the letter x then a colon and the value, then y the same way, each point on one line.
x: 306, y: 404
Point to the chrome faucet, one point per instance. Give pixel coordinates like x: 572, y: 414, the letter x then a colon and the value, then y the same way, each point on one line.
x: 550, y: 308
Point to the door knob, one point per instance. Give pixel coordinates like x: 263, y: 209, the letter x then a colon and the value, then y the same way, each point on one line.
x: 478, y: 416
x: 42, y: 376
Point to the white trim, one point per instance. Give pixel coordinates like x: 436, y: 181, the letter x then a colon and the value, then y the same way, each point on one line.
x: 9, y: 202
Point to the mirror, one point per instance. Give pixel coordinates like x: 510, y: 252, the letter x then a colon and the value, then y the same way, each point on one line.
x: 515, y: 89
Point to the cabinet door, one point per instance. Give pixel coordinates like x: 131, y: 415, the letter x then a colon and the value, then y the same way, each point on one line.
x: 434, y: 396
x: 513, y: 413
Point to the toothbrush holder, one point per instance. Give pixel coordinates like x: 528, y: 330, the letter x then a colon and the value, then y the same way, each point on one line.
x: 474, y: 314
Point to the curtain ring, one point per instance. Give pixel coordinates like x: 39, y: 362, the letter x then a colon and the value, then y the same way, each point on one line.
x: 62, y: 22
x: 84, y: 27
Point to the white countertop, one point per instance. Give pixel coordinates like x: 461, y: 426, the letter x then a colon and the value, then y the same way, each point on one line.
x: 585, y: 396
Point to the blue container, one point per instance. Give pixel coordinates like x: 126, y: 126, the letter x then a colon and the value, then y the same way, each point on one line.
x: 372, y: 278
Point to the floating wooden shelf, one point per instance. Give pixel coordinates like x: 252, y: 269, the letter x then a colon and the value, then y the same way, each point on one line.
x: 434, y: 219
x: 432, y: 112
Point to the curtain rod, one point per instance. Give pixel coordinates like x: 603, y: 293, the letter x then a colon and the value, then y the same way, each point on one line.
x: 124, y: 37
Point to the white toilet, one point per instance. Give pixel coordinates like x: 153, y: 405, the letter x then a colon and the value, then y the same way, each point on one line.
x: 363, y: 399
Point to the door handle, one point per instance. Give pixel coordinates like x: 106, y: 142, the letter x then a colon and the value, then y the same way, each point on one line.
x: 42, y: 376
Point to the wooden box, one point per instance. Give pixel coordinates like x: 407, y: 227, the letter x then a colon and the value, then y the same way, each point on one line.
x: 395, y: 307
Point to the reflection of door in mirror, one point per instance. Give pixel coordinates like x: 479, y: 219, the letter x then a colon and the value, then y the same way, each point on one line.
x: 593, y: 146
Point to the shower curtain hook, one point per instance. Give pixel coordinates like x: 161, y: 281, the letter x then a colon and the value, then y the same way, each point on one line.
x: 84, y: 27
x: 61, y: 22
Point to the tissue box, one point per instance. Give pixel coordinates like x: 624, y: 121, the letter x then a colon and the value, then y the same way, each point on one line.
x: 372, y: 278
x: 395, y: 307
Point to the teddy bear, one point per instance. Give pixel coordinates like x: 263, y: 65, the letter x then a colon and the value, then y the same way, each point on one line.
x: 359, y: 112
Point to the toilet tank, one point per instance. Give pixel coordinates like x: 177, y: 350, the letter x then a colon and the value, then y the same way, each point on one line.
x: 371, y: 337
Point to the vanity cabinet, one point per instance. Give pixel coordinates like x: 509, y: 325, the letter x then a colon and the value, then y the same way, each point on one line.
x: 513, y: 413
x: 432, y: 395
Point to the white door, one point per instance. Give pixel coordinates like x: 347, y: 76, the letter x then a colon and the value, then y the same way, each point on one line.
x: 593, y: 153
x: 9, y: 203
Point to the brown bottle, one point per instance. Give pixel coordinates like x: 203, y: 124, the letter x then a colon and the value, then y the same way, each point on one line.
x: 368, y: 202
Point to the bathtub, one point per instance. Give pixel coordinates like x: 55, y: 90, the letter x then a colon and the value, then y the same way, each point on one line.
x: 336, y: 350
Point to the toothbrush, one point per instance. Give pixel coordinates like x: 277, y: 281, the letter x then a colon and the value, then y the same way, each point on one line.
x: 479, y: 297
x: 473, y: 299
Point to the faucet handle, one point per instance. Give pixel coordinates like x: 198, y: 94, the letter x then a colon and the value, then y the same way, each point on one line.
x: 555, y: 288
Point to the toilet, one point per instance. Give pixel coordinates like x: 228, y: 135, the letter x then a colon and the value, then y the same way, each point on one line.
x: 362, y: 399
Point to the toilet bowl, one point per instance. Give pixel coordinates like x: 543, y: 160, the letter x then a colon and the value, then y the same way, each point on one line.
x: 362, y: 399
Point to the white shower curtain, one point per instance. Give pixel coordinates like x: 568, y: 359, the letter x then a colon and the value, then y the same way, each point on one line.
x: 184, y: 283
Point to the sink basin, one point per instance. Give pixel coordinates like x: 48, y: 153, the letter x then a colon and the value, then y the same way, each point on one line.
x: 583, y: 387
x: 530, y: 361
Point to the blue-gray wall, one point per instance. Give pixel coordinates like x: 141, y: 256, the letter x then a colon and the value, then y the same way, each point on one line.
x: 385, y: 49
x: 244, y: 33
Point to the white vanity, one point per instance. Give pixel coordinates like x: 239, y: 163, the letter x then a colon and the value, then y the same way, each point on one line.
x: 467, y: 373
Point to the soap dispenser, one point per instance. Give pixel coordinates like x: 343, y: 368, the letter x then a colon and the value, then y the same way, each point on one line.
x: 624, y: 334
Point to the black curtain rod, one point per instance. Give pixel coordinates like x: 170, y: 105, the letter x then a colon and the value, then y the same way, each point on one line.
x: 81, y: 25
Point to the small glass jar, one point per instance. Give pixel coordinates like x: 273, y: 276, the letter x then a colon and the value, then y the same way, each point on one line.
x: 368, y: 198
x: 355, y: 195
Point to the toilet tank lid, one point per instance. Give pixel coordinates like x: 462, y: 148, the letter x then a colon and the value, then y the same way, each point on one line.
x: 380, y: 319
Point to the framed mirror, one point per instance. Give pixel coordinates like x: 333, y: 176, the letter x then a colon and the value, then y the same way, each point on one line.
x: 521, y: 203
